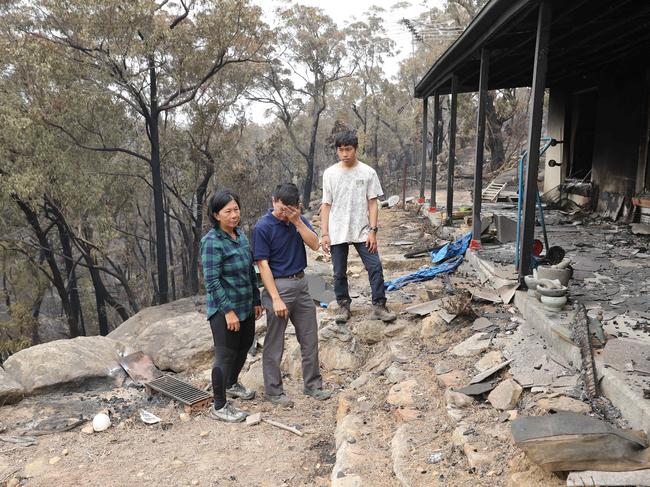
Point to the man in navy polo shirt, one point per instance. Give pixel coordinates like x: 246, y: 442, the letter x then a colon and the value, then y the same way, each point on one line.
x: 279, y: 239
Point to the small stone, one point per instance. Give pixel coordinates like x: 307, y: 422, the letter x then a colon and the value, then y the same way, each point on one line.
x: 505, y: 395
x: 458, y: 437
x: 395, y: 374
x: 65, y: 452
x: 406, y: 414
x: 422, y: 470
x: 13, y: 482
x: 54, y: 460
x: 402, y: 394
x: 563, y: 403
x: 177, y: 462
x: 195, y: 482
x: 184, y: 417
x: 393, y: 329
x: 253, y: 419
x: 453, y: 378
x: 455, y: 413
x: 474, y: 345
x: 478, y: 455
x: 203, y: 434
x: 140, y: 474
x: 360, y: 381
x: 88, y: 429
x: 457, y: 399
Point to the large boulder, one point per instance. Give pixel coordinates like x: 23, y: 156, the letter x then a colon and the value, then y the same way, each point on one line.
x: 10, y: 390
x: 78, y: 362
x: 175, y: 335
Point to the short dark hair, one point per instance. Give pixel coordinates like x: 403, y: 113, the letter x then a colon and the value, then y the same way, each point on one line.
x: 217, y: 201
x: 287, y: 193
x: 346, y: 138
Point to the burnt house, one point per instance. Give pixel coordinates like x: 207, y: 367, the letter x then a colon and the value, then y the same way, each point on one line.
x: 592, y: 57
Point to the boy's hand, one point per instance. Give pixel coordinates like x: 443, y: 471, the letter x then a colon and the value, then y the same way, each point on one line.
x: 292, y: 213
x: 371, y: 242
x: 325, y: 243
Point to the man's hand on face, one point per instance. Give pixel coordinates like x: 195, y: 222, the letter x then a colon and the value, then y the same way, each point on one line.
x: 371, y: 242
x: 292, y: 213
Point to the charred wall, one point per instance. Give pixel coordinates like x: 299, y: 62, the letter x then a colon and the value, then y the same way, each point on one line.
x: 619, y: 123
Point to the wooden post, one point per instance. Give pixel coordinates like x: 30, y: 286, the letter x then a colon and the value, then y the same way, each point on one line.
x: 425, y: 136
x: 434, y: 149
x: 452, y: 150
x: 534, y: 134
x: 480, y: 142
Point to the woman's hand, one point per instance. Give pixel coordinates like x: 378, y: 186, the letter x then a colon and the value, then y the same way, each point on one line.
x: 259, y: 311
x: 232, y: 322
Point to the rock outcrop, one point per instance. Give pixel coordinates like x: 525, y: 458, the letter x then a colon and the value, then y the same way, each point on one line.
x: 176, y: 335
x: 79, y: 362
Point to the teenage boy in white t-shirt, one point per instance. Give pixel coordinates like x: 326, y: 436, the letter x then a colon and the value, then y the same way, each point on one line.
x: 349, y: 216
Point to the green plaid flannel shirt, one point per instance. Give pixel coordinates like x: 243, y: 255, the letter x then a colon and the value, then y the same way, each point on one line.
x: 229, y: 274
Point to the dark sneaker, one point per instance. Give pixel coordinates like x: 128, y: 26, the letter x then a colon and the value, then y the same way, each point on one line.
x: 228, y: 413
x: 343, y: 315
x: 238, y: 390
x: 279, y: 400
x: 318, y: 394
x: 381, y: 312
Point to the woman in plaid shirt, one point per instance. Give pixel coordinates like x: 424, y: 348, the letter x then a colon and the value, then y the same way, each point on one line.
x: 233, y: 302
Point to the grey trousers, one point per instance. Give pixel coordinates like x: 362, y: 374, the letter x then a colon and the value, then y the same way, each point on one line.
x: 302, y: 313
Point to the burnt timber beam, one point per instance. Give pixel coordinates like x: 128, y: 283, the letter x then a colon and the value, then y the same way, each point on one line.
x: 480, y: 146
x: 452, y: 150
x: 534, y: 135
x: 425, y: 137
x: 434, y: 149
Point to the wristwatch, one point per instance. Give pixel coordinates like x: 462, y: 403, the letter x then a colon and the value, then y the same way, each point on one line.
x: 374, y: 229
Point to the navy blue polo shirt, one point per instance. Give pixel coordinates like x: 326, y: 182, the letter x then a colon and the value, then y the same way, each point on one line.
x: 280, y: 244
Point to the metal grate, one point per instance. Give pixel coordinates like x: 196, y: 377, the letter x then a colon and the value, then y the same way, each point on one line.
x: 181, y: 391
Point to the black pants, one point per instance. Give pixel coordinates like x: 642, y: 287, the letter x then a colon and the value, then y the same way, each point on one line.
x: 230, y: 349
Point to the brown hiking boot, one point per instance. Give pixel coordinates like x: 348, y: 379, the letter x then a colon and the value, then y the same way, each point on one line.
x: 381, y: 312
x: 343, y: 315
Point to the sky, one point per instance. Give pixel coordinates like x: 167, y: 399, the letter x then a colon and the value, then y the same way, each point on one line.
x: 344, y: 12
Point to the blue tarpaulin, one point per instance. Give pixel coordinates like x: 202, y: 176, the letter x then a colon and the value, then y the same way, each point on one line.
x: 447, y: 258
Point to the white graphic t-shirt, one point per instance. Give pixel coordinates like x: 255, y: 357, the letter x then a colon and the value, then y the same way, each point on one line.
x: 348, y: 192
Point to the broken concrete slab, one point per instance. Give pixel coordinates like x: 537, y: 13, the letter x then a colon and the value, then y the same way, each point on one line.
x: 477, y: 389
x: 570, y: 441
x: 482, y: 324
x: 423, y: 309
x: 491, y: 371
x: 489, y: 360
x: 627, y: 355
x: 484, y: 294
x: 505, y: 395
x: 474, y: 345
x: 595, y: 477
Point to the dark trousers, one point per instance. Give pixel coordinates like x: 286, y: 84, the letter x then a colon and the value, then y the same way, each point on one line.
x: 372, y: 264
x: 230, y: 349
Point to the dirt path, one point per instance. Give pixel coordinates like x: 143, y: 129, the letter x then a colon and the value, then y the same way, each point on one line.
x: 363, y: 434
